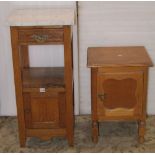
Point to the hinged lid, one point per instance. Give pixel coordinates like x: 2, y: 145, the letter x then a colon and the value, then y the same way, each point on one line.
x: 118, y: 56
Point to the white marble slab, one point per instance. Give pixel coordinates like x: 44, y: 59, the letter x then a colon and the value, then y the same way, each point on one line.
x: 41, y: 17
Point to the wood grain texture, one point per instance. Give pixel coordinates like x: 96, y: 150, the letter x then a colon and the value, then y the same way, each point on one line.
x: 24, y: 54
x: 18, y: 86
x: 119, y: 90
x: 94, y: 104
x: 46, y: 77
x: 142, y: 121
x: 69, y: 84
x: 49, y: 112
x: 43, y: 110
x: 118, y: 56
x: 54, y: 35
x: 46, y: 134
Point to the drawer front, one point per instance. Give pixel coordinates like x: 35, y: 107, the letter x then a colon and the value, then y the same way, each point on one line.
x: 44, y: 110
x: 120, y: 94
x: 39, y: 36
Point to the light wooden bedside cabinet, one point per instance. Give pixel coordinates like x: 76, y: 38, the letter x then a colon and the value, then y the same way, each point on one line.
x: 119, y: 78
x: 44, y: 95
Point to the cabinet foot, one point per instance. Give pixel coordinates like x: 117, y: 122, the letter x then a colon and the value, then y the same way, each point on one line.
x: 23, y: 142
x: 70, y: 141
x: 95, y: 131
x: 141, y: 131
x: 141, y: 140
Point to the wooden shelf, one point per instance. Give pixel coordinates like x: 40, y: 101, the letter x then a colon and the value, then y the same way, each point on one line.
x: 43, y: 77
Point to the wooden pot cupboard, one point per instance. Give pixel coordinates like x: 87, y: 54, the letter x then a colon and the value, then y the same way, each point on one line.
x: 44, y: 95
x: 119, y: 78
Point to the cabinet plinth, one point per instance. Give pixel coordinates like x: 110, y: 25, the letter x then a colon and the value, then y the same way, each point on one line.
x: 44, y: 95
x: 119, y: 78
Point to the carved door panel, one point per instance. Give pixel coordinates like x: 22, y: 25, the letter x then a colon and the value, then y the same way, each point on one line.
x: 44, y: 110
x: 120, y: 94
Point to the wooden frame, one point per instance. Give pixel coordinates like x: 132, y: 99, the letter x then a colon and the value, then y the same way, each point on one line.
x: 20, y: 40
x: 114, y: 64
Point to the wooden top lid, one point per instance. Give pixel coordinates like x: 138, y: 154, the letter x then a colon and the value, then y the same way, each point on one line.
x: 118, y: 56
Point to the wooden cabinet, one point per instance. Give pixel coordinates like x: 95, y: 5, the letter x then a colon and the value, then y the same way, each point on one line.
x: 118, y: 85
x: 44, y: 95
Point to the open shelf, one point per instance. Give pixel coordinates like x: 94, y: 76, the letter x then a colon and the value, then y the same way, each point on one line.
x: 43, y: 77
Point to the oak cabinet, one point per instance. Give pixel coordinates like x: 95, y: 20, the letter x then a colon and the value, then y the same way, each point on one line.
x: 118, y: 85
x: 44, y: 95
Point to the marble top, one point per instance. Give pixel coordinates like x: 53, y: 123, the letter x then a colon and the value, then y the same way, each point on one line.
x: 42, y: 17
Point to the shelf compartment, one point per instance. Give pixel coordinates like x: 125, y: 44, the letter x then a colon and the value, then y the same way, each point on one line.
x: 43, y: 77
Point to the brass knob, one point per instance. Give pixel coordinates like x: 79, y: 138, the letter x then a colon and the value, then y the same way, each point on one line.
x: 101, y: 96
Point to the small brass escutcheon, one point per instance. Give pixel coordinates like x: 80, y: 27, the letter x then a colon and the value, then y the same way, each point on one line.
x: 101, y: 96
x: 39, y: 38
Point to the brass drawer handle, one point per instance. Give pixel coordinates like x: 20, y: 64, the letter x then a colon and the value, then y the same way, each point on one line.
x: 101, y: 96
x: 39, y: 38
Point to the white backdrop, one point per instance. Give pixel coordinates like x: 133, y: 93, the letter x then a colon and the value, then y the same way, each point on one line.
x: 100, y: 24
x: 115, y: 24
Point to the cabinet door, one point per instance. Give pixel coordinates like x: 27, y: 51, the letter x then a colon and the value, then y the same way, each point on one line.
x: 120, y: 94
x: 44, y: 110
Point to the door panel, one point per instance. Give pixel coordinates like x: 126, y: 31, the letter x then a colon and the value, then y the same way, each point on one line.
x: 111, y: 87
x: 120, y: 94
x: 44, y: 110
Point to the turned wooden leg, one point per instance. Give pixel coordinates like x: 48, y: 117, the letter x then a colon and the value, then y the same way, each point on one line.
x: 141, y: 131
x: 95, y: 131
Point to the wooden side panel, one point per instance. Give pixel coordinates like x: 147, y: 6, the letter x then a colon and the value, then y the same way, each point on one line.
x: 18, y: 85
x: 145, y: 90
x: 24, y: 54
x: 62, y: 109
x: 142, y: 120
x: 68, y: 83
x: 95, y: 127
x: 94, y: 93
x: 27, y: 110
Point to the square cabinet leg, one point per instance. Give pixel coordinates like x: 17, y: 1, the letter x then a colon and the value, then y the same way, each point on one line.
x: 95, y: 131
x: 141, y: 131
x: 71, y: 141
x: 23, y: 142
